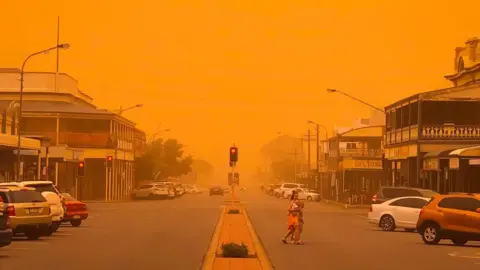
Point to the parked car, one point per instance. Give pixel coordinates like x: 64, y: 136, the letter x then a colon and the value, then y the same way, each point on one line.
x: 216, y: 191
x: 455, y: 217
x: 150, y: 191
x: 51, y: 194
x: 6, y: 233
x: 179, y: 189
x: 287, y: 187
x: 303, y: 194
x: 397, y: 213
x: 387, y: 193
x: 77, y: 211
x: 27, y: 210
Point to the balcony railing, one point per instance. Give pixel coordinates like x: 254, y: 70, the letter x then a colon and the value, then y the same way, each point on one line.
x: 450, y: 132
x: 360, y: 152
x: 76, y: 139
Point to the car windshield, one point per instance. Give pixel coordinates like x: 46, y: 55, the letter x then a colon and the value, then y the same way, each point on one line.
x: 26, y: 196
x: 43, y: 187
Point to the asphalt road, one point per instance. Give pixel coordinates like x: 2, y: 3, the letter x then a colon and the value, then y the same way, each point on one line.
x: 340, y: 239
x: 167, y: 234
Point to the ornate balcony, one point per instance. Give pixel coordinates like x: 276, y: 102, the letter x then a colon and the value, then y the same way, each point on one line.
x: 360, y: 152
x: 450, y: 132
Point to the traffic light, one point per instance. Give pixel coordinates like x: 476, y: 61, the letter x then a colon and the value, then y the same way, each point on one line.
x: 109, y: 162
x: 233, y: 154
x: 81, y: 169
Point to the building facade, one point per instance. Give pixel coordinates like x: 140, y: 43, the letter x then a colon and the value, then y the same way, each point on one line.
x: 76, y: 130
x: 432, y: 137
x: 353, y: 168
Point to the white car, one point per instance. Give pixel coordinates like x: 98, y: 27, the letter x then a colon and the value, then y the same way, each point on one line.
x: 50, y: 192
x: 303, y: 194
x: 151, y: 191
x: 287, y: 188
x: 396, y: 213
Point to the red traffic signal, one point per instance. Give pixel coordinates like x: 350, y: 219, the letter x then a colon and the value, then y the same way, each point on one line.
x: 81, y: 169
x: 109, y: 162
x: 233, y: 154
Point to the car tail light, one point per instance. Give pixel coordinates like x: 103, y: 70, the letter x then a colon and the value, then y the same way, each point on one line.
x: 421, y: 212
x: 371, y: 208
x: 11, y: 211
x: 374, y: 198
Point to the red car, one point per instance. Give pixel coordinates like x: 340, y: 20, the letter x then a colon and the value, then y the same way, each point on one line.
x: 76, y: 210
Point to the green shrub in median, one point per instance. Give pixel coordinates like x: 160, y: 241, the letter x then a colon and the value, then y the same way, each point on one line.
x: 233, y: 211
x: 234, y: 250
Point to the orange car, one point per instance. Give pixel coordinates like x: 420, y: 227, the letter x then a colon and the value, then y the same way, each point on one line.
x: 454, y: 216
x: 76, y: 210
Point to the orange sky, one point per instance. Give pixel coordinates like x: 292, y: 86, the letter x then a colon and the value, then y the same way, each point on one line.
x: 217, y: 72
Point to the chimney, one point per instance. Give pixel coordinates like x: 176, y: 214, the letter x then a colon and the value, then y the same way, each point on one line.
x: 472, y: 45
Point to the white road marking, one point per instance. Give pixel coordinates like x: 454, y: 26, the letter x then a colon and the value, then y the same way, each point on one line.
x: 456, y: 254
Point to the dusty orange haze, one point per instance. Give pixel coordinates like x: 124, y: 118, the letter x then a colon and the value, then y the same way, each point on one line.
x: 217, y: 72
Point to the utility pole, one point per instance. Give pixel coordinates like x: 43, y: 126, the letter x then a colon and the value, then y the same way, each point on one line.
x: 308, y: 138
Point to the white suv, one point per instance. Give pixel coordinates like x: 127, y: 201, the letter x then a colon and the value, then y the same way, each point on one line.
x: 287, y: 188
x: 51, y: 194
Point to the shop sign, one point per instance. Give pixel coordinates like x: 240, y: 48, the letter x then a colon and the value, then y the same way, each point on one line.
x: 454, y: 163
x: 363, y: 164
x: 430, y: 164
x: 474, y: 161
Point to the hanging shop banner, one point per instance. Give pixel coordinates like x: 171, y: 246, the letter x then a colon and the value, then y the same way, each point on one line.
x: 431, y: 164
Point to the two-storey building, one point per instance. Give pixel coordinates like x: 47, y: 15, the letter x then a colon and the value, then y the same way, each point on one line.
x: 354, y: 163
x: 54, y: 108
x: 430, y: 135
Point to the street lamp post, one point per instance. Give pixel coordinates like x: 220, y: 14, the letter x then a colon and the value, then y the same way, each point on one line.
x: 330, y: 90
x: 154, y: 136
x: 129, y: 108
x: 22, y: 73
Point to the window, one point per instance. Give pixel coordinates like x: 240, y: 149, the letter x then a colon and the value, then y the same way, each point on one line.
x: 26, y: 196
x: 43, y: 187
x: 393, y: 193
x: 460, y: 203
x: 410, y: 203
x: 290, y: 186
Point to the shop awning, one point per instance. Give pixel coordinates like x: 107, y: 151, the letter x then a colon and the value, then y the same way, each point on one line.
x: 11, y: 142
x: 472, y: 151
x: 439, y: 154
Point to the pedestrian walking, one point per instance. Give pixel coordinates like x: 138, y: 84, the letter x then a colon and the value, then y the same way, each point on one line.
x: 299, y: 230
x: 293, y: 217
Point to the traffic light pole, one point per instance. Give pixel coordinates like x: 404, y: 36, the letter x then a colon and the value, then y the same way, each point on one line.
x: 233, y: 182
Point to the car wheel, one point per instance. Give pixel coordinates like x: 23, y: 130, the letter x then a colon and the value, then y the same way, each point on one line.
x: 32, y: 235
x: 387, y: 223
x: 431, y: 234
x: 409, y: 230
x: 76, y: 223
x: 309, y: 198
x: 459, y: 242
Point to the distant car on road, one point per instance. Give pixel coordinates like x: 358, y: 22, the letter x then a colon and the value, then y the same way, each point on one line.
x: 388, y: 193
x: 216, y: 191
x: 396, y: 213
x: 76, y: 210
x: 303, y: 194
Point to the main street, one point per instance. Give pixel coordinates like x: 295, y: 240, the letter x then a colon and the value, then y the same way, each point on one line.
x: 175, y: 234
x: 340, y: 239
x: 164, y: 234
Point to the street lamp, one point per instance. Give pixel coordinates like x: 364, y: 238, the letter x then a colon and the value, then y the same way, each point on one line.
x: 330, y: 90
x: 157, y: 133
x: 64, y: 46
x: 129, y: 108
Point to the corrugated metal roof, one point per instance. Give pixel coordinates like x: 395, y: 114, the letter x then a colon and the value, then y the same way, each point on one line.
x: 55, y: 106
